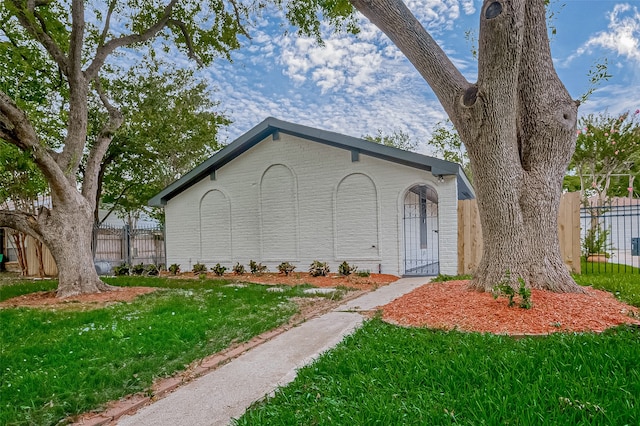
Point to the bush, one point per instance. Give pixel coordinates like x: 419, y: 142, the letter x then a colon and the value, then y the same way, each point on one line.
x: 121, y: 270
x: 286, y: 268
x: 199, y: 267
x: 238, y: 269
x: 174, y: 268
x: 364, y: 274
x: 257, y: 268
x: 151, y: 270
x: 345, y: 269
x: 596, y: 241
x: 218, y: 270
x: 137, y: 269
x: 317, y: 269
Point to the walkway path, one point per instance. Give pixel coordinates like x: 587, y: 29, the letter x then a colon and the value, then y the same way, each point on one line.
x: 225, y: 393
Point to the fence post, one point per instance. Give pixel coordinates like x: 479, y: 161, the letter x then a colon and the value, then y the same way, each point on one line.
x: 126, y: 231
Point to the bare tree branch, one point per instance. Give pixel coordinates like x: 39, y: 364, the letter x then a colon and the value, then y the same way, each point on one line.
x: 187, y: 37
x: 104, y: 51
x: 20, y: 221
x: 97, y: 153
x: 236, y: 10
x: 107, y: 23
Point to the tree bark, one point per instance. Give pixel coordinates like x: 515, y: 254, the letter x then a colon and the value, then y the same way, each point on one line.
x: 518, y: 124
x: 67, y: 231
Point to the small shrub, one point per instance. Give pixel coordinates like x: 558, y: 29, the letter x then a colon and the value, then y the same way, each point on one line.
x: 137, y: 269
x: 345, y: 269
x: 504, y: 289
x: 238, y: 269
x: 121, y: 270
x: 257, y: 268
x: 218, y: 270
x: 199, y: 267
x: 203, y: 275
x: 364, y: 274
x: 174, y: 268
x: 317, y: 269
x: 151, y: 270
x: 286, y: 268
x: 596, y: 241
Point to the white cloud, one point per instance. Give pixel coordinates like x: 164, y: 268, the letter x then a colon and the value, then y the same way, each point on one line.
x: 622, y: 36
x: 468, y: 7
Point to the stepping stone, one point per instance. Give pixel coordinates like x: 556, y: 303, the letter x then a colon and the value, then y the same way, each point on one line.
x: 276, y: 289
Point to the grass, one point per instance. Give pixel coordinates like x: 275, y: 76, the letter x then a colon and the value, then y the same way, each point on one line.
x: 388, y: 375
x: 384, y: 374
x: 57, y: 363
x: 621, y: 280
x: 607, y: 268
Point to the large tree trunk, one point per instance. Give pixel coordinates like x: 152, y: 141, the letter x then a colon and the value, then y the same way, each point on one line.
x: 68, y: 235
x: 518, y: 124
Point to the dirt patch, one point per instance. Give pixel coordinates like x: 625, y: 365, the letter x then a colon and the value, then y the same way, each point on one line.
x: 451, y: 305
x: 48, y: 299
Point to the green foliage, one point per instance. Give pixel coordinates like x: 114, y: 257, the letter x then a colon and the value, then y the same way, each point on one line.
x: 22, y: 183
x: 123, y: 269
x: 364, y: 273
x: 596, y: 241
x: 443, y: 278
x: 219, y: 270
x: 307, y: 16
x: 257, y: 268
x: 138, y: 269
x: 447, y: 145
x: 151, y: 270
x: 345, y: 269
x: 317, y: 269
x: 286, y: 268
x: 398, y: 139
x: 174, y: 268
x: 389, y: 375
x: 198, y: 268
x: 505, y: 289
x: 598, y: 73
x: 607, y: 154
x: 128, y: 344
x: 238, y: 269
x: 621, y: 280
x: 171, y: 126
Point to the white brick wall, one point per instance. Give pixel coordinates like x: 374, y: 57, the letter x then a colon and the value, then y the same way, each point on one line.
x: 317, y: 171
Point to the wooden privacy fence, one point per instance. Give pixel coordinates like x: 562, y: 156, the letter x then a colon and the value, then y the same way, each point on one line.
x: 470, y: 233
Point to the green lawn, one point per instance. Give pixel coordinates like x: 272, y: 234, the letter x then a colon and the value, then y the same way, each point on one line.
x: 389, y: 375
x: 621, y: 280
x: 57, y: 363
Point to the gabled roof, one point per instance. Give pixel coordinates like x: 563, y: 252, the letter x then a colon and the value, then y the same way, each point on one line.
x: 272, y: 125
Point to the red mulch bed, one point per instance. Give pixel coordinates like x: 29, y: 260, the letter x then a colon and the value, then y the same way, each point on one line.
x: 451, y: 305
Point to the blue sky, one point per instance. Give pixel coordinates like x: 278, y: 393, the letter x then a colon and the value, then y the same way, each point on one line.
x: 357, y: 85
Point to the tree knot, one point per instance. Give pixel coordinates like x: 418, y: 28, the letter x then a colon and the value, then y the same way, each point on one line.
x: 470, y: 96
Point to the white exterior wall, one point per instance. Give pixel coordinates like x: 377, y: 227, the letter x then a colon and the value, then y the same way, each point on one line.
x: 321, y: 179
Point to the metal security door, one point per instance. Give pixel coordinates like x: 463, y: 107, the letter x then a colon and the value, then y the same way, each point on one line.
x: 420, y: 221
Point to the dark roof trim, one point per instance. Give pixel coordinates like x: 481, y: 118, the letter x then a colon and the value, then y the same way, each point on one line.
x: 272, y: 125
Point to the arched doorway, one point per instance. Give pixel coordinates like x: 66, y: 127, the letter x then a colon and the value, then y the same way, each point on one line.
x: 420, y: 222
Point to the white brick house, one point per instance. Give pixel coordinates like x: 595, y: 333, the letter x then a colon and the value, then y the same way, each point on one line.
x: 286, y: 192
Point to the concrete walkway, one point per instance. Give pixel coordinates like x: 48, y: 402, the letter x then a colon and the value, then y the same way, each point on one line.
x: 225, y: 393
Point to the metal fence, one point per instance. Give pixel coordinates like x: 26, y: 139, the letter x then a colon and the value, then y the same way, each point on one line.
x: 610, y: 236
x: 118, y: 245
